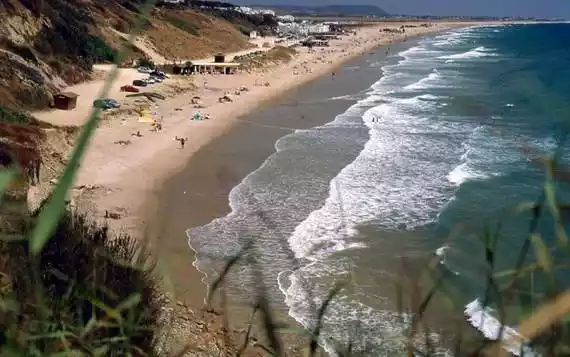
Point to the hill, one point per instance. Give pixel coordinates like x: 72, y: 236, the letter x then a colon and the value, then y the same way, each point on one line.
x: 330, y: 10
x: 48, y: 45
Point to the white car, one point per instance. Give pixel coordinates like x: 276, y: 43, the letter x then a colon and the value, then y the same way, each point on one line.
x: 143, y: 69
x: 150, y: 80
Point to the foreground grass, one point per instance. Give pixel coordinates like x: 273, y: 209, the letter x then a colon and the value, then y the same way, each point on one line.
x: 86, y: 293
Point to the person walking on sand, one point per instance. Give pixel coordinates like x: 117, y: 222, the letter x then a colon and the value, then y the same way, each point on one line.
x: 182, y: 141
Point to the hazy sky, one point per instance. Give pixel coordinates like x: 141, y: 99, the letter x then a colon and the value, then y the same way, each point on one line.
x: 538, y: 8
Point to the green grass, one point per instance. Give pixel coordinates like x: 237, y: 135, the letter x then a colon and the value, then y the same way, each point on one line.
x: 10, y: 116
x: 97, y: 50
x: 86, y: 291
x: 186, y: 26
x: 71, y: 290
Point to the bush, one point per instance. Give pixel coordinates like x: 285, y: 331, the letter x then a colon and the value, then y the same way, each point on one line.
x: 22, y: 50
x: 13, y: 117
x: 95, y: 49
x: 68, y: 35
x: 91, y: 290
x: 145, y: 62
x: 184, y: 25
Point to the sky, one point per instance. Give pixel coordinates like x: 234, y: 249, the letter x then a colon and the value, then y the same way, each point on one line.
x: 536, y: 8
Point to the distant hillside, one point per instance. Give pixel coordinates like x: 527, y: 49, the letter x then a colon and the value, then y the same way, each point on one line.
x: 329, y: 10
x: 48, y: 45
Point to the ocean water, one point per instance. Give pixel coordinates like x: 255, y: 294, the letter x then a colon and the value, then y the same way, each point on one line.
x: 434, y: 144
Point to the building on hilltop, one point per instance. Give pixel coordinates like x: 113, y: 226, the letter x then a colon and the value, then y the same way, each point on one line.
x: 250, y: 11
x: 319, y: 28
x: 292, y: 28
x: 171, y: 2
x: 286, y: 18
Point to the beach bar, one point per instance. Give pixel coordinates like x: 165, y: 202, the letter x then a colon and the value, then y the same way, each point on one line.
x: 213, y: 67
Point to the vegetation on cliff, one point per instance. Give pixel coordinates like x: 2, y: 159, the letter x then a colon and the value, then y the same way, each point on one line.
x: 86, y: 293
x: 48, y: 45
x: 262, y: 59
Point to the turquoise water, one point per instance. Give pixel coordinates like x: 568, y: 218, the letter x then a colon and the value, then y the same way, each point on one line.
x: 434, y: 144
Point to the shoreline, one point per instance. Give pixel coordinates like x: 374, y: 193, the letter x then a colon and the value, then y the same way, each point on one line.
x: 128, y: 179
x: 154, y: 199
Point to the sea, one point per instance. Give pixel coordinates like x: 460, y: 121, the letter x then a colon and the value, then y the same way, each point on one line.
x: 424, y: 163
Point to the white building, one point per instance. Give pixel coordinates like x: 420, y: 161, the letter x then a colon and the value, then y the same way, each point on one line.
x: 286, y: 18
x: 319, y: 28
x: 292, y: 28
x: 250, y: 11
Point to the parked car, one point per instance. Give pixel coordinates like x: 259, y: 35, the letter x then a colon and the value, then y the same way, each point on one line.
x: 144, y: 69
x: 139, y: 83
x: 159, y: 74
x: 149, y: 80
x: 129, y: 88
x: 157, y: 79
x: 106, y: 103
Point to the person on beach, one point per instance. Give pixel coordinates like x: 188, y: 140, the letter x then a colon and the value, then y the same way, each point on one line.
x: 182, y: 141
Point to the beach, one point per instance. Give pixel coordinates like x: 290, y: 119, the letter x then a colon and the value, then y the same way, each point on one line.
x: 194, y: 197
x: 350, y: 163
x: 377, y: 181
x: 129, y: 180
x: 123, y: 178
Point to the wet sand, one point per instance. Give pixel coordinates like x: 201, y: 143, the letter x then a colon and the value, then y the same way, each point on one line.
x: 199, y: 193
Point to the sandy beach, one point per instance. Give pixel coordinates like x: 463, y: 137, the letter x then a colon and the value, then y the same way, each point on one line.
x: 124, y: 179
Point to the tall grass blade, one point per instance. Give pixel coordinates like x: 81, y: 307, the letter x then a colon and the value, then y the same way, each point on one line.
x: 269, y: 326
x: 6, y: 177
x: 231, y: 262
x: 320, y: 317
x: 248, y: 332
x: 130, y: 302
x: 55, y: 206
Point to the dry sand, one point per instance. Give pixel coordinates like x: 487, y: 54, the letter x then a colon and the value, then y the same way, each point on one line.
x: 122, y: 178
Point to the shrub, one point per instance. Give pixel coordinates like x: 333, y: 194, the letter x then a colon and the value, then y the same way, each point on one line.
x: 95, y: 49
x: 93, y: 291
x: 184, y: 25
x: 22, y: 50
x: 145, y: 62
x: 13, y: 117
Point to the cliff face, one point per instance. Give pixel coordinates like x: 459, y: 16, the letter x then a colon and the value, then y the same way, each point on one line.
x: 46, y: 45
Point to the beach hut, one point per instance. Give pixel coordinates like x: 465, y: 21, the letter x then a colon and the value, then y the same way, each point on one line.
x: 214, y: 67
x: 65, y: 100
